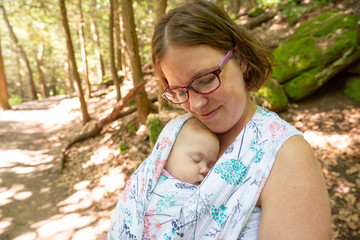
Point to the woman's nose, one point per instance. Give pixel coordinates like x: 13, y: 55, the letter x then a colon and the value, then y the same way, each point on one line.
x: 196, y: 101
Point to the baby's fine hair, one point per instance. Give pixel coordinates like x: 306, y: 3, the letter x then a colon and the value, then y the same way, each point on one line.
x: 204, y: 23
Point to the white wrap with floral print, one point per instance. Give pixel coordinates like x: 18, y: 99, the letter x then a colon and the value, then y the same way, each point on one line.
x: 220, y: 207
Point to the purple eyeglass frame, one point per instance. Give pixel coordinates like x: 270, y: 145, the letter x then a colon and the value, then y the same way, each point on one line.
x: 216, y: 72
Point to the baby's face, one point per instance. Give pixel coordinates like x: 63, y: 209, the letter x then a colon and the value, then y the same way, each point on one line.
x: 193, y: 157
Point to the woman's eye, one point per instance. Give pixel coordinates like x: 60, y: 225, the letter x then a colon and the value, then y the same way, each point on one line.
x: 206, y: 80
x: 182, y: 93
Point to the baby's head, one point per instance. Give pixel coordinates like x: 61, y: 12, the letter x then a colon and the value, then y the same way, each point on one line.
x: 194, y: 153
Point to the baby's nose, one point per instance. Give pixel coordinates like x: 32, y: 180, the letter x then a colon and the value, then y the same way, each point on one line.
x: 204, y: 171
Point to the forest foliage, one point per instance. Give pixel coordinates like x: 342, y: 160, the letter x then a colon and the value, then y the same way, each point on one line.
x: 38, y: 28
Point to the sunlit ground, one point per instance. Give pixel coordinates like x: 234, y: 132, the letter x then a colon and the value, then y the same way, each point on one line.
x: 28, y: 176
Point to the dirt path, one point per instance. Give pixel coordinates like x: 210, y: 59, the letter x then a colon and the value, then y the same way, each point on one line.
x: 31, y: 139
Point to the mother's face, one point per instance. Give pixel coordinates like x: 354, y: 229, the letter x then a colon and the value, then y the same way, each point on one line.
x: 221, y: 110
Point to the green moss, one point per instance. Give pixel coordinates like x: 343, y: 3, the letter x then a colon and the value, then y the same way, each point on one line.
x: 352, y: 88
x: 106, y: 79
x: 295, y: 57
x: 131, y: 127
x: 307, y: 28
x: 154, y: 125
x: 274, y: 96
x: 123, y: 147
x: 256, y: 11
x: 336, y: 22
x: 302, y: 85
x: 317, y: 42
x: 131, y: 103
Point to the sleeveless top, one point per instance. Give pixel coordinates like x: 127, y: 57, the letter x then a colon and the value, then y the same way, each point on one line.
x: 221, y: 207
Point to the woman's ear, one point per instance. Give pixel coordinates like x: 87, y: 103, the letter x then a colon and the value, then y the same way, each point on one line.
x: 241, y: 61
x: 244, y: 66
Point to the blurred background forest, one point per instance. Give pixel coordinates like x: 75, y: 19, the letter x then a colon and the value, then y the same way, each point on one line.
x: 80, y: 106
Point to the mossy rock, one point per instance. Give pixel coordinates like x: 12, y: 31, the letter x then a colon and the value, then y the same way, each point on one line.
x: 316, y: 43
x: 256, y: 11
x: 154, y: 125
x: 309, y: 81
x: 352, y: 88
x: 107, y: 80
x: 273, y: 96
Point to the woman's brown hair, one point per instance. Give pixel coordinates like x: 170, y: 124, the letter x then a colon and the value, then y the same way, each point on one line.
x: 204, y: 23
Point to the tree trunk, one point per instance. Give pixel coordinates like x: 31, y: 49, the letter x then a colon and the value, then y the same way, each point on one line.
x: 69, y: 85
x: 112, y: 52
x: 117, y: 35
x: 83, y: 51
x: 39, y: 63
x: 253, y: 3
x: 237, y: 7
x: 79, y: 90
x: 266, y: 16
x: 4, y: 97
x: 32, y: 89
x: 220, y: 3
x: 161, y: 10
x: 142, y: 102
x: 21, y: 87
x: 100, y: 66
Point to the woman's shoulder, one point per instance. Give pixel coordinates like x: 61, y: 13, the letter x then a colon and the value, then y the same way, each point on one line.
x: 294, y: 199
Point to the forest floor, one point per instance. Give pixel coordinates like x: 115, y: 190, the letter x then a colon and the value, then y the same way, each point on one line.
x: 39, y: 200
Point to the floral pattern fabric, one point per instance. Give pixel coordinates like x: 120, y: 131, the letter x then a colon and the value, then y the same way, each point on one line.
x: 156, y: 206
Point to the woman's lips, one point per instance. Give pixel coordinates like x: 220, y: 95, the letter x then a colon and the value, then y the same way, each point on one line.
x: 209, y: 115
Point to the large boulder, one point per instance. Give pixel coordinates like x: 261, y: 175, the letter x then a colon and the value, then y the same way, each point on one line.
x: 316, y: 51
x: 272, y: 96
x: 352, y: 87
x: 154, y: 125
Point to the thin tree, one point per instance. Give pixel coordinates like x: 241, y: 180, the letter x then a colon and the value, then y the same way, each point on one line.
x: 160, y: 12
x: 39, y: 64
x: 237, y: 7
x: 19, y: 74
x: 32, y: 89
x: 141, y: 100
x: 95, y: 33
x: 76, y: 76
x: 83, y: 51
x: 4, y: 97
x: 117, y: 36
x: 112, y: 52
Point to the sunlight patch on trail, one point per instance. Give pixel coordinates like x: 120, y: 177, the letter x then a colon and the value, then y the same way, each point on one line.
x: 5, y: 223
x: 61, y: 226
x: 99, y: 156
x: 321, y: 140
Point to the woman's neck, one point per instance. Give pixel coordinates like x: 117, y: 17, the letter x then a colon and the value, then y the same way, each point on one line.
x: 227, y: 138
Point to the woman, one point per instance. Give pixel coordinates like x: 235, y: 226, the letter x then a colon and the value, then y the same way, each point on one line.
x: 291, y: 201
x: 192, y: 40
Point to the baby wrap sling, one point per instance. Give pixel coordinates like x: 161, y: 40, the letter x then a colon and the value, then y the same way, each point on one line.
x: 221, y: 205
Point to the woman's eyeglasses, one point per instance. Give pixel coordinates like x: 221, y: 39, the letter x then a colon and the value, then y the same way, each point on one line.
x: 205, y: 84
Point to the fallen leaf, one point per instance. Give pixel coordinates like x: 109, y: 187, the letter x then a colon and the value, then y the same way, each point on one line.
x: 352, y: 225
x: 352, y: 170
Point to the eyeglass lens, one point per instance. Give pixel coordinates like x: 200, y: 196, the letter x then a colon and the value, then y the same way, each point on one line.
x: 205, y: 84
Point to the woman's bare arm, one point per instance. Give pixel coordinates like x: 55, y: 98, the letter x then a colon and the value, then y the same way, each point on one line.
x: 294, y: 201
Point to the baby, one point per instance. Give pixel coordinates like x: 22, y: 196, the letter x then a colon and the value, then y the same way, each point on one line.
x: 194, y: 153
